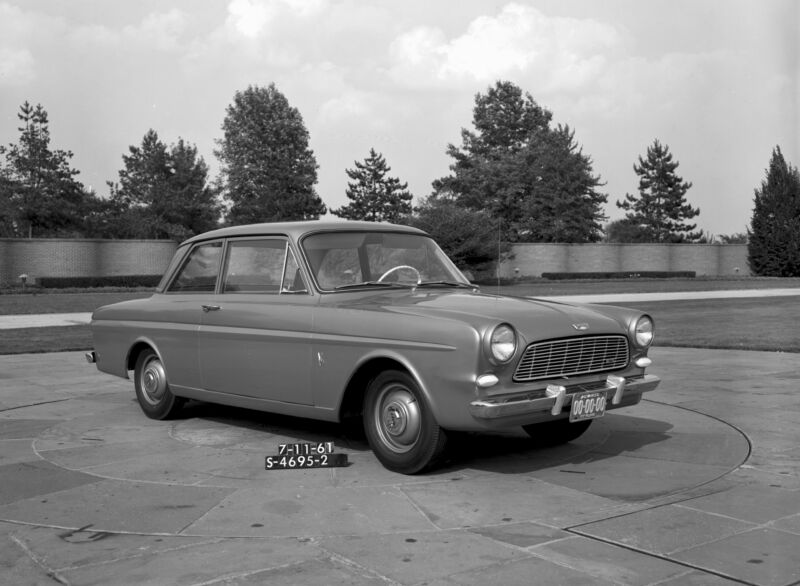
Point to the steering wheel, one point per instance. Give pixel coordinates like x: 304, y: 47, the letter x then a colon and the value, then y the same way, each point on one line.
x: 397, y: 268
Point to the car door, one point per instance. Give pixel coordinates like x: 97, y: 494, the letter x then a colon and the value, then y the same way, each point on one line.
x: 174, y: 321
x: 255, y: 336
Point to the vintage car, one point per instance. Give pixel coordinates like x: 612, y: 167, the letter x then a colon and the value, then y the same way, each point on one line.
x: 338, y: 320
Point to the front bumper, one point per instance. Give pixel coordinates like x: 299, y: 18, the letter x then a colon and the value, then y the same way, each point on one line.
x: 620, y: 392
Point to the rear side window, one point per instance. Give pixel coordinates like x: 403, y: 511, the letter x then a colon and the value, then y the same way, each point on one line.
x: 261, y: 266
x: 254, y: 266
x: 199, y: 271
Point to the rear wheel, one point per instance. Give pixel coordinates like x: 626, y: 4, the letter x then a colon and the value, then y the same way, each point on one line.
x: 152, y: 388
x: 399, y: 425
x: 554, y: 433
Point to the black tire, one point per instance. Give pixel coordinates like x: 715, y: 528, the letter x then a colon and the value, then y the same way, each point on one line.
x: 152, y: 388
x: 554, y: 433
x: 399, y: 425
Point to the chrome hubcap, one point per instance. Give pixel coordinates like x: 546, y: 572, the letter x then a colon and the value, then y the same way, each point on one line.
x: 398, y: 418
x: 153, y: 381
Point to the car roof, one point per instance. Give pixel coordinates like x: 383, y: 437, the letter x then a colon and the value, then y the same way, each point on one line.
x: 297, y: 230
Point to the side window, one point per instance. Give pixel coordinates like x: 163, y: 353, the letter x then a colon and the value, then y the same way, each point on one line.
x: 254, y: 266
x: 293, y: 281
x: 199, y: 272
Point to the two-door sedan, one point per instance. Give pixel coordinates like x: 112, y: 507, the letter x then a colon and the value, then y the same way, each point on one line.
x: 340, y: 320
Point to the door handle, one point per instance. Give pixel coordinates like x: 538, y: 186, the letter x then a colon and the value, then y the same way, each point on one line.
x: 208, y: 308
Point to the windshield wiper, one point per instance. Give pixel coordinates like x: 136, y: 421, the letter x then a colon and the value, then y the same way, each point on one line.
x: 366, y: 284
x: 447, y: 284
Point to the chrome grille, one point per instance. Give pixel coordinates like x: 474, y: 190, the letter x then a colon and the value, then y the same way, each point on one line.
x: 572, y: 357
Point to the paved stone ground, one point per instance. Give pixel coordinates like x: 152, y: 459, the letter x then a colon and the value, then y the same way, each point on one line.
x: 699, y: 484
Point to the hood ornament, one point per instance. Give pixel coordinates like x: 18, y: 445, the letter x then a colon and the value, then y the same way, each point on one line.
x: 581, y: 327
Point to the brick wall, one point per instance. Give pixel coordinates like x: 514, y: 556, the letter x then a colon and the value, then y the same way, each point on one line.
x: 705, y: 259
x: 55, y: 257
x: 58, y: 257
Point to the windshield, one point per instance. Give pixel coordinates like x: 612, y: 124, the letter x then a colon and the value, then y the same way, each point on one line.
x: 350, y: 259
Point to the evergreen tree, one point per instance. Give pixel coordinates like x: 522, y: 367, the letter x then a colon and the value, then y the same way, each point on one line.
x: 38, y: 186
x: 533, y: 178
x: 773, y: 247
x: 373, y: 195
x: 661, y: 209
x: 267, y: 167
x: 469, y: 237
x: 163, y: 192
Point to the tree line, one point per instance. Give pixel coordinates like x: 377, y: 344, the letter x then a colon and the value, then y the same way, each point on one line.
x: 515, y: 177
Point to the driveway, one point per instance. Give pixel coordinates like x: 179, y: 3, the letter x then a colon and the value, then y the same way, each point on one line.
x: 699, y: 484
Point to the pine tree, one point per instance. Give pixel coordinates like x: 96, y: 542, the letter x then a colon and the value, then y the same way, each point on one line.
x: 532, y: 178
x: 38, y: 184
x: 163, y: 192
x: 373, y: 195
x: 267, y: 167
x: 661, y: 209
x: 774, y: 236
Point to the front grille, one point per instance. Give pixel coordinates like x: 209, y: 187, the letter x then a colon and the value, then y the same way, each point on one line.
x: 572, y: 357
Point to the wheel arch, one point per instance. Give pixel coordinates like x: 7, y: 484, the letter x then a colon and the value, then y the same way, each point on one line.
x: 136, y: 349
x: 352, y: 402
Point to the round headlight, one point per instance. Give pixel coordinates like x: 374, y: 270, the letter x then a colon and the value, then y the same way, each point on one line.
x: 644, y: 331
x: 503, y: 343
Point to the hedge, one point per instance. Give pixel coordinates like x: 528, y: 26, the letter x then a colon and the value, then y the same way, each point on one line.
x: 622, y: 275
x: 87, y: 282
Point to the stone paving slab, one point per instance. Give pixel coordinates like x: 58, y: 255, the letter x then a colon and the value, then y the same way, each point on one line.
x: 696, y: 485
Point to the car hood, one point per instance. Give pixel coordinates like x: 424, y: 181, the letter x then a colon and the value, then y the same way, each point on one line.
x: 533, y: 318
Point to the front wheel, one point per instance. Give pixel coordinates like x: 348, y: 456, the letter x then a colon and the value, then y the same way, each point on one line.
x: 399, y: 425
x: 152, y: 389
x: 554, y: 433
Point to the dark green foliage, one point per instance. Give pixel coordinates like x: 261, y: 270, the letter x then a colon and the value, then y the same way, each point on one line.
x: 268, y: 169
x: 39, y: 195
x: 532, y: 178
x: 112, y: 281
x: 470, y: 238
x: 735, y: 238
x: 660, y: 211
x: 627, y: 230
x: 373, y: 195
x: 163, y: 192
x: 621, y: 275
x: 774, y: 236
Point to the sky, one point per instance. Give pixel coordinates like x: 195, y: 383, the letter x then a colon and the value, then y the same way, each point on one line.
x: 718, y: 81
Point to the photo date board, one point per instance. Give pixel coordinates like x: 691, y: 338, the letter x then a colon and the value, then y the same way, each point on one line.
x: 305, y: 455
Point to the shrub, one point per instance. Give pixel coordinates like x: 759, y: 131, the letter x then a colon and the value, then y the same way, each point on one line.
x: 621, y: 275
x: 108, y: 281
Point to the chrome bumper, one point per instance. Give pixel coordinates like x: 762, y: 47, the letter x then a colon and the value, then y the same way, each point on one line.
x: 557, y: 397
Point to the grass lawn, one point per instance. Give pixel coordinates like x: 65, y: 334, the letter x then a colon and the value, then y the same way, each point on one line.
x: 741, y: 324
x: 749, y: 324
x: 88, y: 301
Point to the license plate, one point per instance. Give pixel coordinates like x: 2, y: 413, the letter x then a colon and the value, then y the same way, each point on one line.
x: 305, y: 461
x: 588, y: 405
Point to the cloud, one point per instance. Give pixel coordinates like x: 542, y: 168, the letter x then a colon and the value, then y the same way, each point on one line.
x: 561, y: 53
x: 251, y: 18
x: 161, y: 31
x: 17, y: 67
x: 19, y: 31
